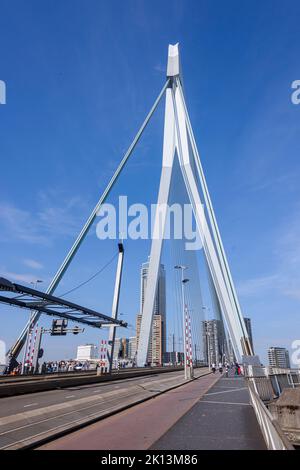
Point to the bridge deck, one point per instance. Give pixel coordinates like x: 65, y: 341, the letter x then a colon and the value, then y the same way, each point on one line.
x: 208, y: 413
x: 222, y: 419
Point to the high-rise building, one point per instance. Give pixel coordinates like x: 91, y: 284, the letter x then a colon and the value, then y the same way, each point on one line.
x: 125, y: 343
x: 117, y: 348
x: 132, y: 347
x: 87, y: 352
x: 279, y: 357
x: 174, y: 357
x: 121, y: 348
x: 155, y: 350
x: 157, y: 342
x: 231, y: 355
x: 160, y: 297
x: 249, y: 331
x: 214, y: 339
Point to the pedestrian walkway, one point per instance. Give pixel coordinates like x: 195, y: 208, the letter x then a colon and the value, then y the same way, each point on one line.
x: 222, y: 419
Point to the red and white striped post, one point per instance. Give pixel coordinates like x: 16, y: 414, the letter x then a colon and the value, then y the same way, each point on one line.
x: 103, y: 354
x: 188, y: 343
x: 31, y: 353
x: 27, y: 357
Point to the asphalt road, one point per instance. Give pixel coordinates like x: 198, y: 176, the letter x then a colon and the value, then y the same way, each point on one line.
x: 18, y: 404
x: 25, y: 419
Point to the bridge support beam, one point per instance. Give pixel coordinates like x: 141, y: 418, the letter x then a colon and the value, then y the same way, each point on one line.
x: 115, y: 307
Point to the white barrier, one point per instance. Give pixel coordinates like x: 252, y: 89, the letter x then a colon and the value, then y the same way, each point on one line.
x: 273, y: 436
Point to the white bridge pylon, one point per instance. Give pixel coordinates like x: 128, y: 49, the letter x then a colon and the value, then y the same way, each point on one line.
x: 179, y: 143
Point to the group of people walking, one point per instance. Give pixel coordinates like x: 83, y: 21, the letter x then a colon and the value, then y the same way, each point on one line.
x: 227, y: 366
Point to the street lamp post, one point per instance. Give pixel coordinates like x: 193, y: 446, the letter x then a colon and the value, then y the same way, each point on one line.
x: 208, y: 349
x: 207, y: 334
x: 187, y: 371
x: 171, y: 347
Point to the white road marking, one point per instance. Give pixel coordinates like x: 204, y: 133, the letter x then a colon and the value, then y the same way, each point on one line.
x: 30, y: 404
x: 226, y: 391
x: 224, y: 403
x: 70, y: 396
x: 55, y: 417
x: 51, y: 429
x: 223, y: 386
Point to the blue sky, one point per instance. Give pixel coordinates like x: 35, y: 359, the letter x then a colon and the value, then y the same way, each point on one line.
x: 80, y: 78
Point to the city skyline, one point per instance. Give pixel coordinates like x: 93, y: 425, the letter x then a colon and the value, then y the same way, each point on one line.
x: 214, y: 342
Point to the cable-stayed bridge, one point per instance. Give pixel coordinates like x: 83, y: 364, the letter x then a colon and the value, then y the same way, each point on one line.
x: 182, y: 179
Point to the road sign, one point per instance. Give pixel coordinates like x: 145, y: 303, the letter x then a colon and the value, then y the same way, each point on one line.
x: 58, y: 327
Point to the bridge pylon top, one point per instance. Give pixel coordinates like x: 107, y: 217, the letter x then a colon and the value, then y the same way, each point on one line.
x: 173, y: 67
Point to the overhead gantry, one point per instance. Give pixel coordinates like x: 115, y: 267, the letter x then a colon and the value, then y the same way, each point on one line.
x: 31, y: 299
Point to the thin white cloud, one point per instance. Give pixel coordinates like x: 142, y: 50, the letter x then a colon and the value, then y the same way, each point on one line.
x: 58, y: 217
x: 285, y: 278
x: 19, y: 277
x: 31, y: 263
x: 256, y: 286
x: 160, y: 68
x: 19, y: 224
x: 288, y: 253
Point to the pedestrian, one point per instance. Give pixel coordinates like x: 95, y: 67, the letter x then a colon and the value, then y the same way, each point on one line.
x: 213, y: 367
x: 227, y: 370
x: 220, y: 367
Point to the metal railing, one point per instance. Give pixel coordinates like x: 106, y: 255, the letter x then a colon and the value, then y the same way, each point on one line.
x: 271, y: 381
x: 266, y: 384
x: 273, y: 436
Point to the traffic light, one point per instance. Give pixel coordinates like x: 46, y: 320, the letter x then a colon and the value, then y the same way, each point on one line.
x: 58, y: 327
